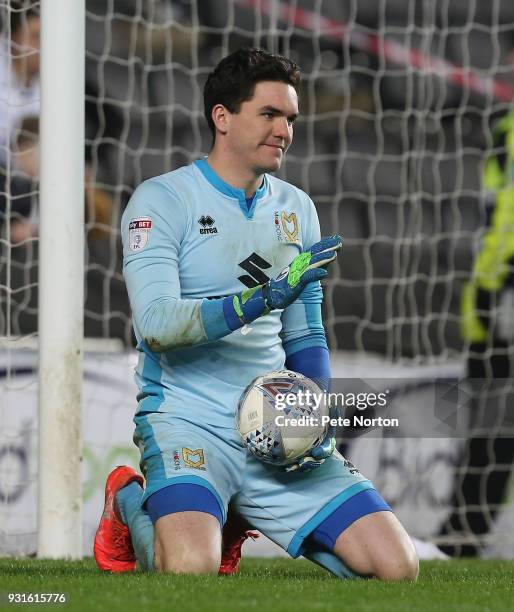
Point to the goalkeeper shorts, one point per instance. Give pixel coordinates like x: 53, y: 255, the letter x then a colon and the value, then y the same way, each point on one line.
x: 287, y: 507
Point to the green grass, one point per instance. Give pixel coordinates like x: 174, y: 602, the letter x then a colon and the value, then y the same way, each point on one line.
x: 270, y: 585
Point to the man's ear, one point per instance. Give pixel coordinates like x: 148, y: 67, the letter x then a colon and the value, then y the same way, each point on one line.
x: 221, y: 118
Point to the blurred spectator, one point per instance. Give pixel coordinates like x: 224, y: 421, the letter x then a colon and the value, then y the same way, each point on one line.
x: 19, y: 71
x: 19, y: 221
x: 18, y: 184
x: 488, y: 328
x: 25, y: 175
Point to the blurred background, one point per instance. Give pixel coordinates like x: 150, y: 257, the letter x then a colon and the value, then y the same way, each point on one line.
x: 390, y: 144
x: 399, y: 105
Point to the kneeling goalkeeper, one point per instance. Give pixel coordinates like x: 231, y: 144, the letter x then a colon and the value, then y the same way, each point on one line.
x: 223, y: 263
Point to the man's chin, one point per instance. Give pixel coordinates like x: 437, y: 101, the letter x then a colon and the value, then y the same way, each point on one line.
x: 272, y: 166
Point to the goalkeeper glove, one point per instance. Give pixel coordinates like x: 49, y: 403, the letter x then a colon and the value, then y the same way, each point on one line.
x: 305, y: 268
x: 320, y: 452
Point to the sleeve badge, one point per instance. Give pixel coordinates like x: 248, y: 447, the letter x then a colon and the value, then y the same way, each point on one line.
x: 139, y: 232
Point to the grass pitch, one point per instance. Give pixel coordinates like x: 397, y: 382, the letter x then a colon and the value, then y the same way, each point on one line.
x: 276, y: 585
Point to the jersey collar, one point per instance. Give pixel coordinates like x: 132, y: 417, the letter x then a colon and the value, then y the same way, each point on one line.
x: 232, y: 192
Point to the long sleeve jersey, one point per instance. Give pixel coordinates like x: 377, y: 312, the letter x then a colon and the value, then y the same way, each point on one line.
x: 189, y: 240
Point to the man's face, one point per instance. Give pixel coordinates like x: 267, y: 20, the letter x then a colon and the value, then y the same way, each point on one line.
x: 261, y: 132
x: 26, y: 44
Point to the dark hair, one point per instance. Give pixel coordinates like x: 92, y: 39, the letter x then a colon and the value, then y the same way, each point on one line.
x: 19, y: 13
x: 233, y: 80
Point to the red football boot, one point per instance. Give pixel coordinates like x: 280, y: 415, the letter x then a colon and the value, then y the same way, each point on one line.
x: 235, y: 534
x: 113, y: 547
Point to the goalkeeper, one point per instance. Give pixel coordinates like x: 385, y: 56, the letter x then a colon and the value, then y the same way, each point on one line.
x: 223, y: 263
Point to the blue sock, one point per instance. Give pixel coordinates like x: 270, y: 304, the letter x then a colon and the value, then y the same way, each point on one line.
x: 139, y: 524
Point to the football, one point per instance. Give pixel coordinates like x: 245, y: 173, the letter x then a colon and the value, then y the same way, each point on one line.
x: 281, y: 416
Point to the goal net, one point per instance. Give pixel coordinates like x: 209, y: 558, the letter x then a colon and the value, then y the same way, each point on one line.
x: 399, y: 106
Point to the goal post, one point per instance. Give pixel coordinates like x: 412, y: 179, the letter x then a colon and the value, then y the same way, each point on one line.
x: 61, y: 278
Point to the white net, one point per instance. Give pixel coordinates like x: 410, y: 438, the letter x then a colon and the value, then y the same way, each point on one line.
x: 398, y: 104
x: 19, y: 108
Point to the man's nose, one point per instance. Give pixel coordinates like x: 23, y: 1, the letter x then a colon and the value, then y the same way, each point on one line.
x: 281, y: 128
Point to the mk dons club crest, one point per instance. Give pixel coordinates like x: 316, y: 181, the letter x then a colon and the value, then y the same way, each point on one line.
x: 194, y: 458
x: 139, y: 231
x: 287, y: 227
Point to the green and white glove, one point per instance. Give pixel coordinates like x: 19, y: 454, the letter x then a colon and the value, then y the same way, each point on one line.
x: 307, y: 267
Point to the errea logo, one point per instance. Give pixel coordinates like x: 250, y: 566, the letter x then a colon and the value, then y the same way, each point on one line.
x: 207, y: 223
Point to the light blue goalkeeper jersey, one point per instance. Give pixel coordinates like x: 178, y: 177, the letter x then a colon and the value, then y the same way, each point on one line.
x: 188, y: 236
